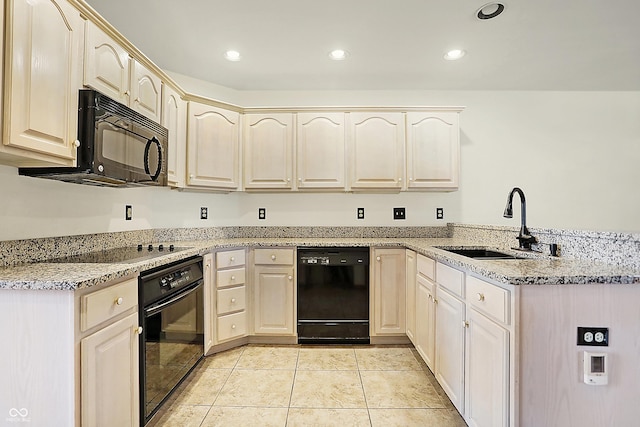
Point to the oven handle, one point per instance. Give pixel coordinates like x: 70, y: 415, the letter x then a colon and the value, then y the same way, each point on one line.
x: 154, y: 309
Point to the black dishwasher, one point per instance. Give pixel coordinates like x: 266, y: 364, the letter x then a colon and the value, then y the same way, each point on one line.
x: 333, y: 295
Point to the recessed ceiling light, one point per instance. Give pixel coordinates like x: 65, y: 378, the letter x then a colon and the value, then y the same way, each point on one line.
x: 454, y: 54
x: 338, y: 54
x: 232, y: 55
x: 490, y: 10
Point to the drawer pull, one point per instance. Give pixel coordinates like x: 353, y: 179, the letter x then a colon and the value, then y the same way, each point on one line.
x: 273, y: 257
x: 480, y: 297
x: 232, y: 259
x: 119, y: 301
x: 233, y: 278
x: 233, y: 300
x: 233, y: 326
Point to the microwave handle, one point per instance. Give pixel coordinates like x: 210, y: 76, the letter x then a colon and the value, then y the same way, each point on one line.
x: 155, y: 176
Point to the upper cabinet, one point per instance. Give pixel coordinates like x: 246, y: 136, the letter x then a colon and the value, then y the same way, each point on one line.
x: 433, y: 150
x: 174, y: 118
x: 111, y: 70
x: 320, y: 144
x: 268, y: 151
x: 42, y: 76
x: 376, y: 143
x: 213, y: 147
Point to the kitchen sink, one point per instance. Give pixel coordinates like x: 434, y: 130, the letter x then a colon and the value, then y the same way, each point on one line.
x: 479, y: 253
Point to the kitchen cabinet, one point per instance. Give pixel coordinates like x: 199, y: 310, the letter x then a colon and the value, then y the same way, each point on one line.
x: 109, y: 355
x: 42, y: 76
x: 230, y: 296
x: 377, y: 145
x: 411, y: 294
x: 450, y: 332
x: 268, y: 151
x: 320, y: 147
x: 174, y: 118
x: 209, y: 295
x: 274, y: 291
x: 388, y: 301
x: 111, y: 70
x: 433, y: 150
x: 425, y: 301
x: 213, y: 147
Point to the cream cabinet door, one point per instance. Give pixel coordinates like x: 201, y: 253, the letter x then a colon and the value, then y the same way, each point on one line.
x: 425, y: 332
x: 412, y: 272
x: 109, y: 378
x: 174, y: 118
x: 213, y: 147
x: 486, y: 372
x: 273, y: 300
x: 433, y: 150
x: 450, y: 332
x: 43, y: 73
x: 376, y: 143
x: 209, y: 294
x: 268, y: 151
x: 106, y: 65
x: 389, y: 300
x: 146, y: 92
x: 320, y: 144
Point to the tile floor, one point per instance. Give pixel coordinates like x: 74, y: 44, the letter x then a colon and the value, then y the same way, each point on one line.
x: 310, y: 386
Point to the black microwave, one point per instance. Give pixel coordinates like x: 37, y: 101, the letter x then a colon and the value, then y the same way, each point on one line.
x: 119, y: 147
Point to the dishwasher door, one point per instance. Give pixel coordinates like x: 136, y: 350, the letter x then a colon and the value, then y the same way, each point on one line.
x: 333, y: 295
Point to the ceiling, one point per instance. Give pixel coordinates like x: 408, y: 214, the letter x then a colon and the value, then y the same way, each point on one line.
x: 392, y: 44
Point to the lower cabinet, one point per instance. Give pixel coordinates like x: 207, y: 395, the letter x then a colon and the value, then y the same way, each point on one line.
x: 388, y: 300
x: 425, y: 336
x: 411, y: 295
x: 274, y: 291
x: 450, y: 332
x: 110, y: 378
x: 109, y: 355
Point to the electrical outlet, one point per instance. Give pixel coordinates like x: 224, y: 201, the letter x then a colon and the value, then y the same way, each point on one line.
x: 128, y: 212
x: 204, y: 213
x: 262, y: 213
x: 593, y: 336
x: 439, y: 213
x: 360, y: 213
x: 398, y: 213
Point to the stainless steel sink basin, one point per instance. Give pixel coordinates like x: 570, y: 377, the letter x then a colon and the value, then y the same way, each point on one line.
x: 480, y: 253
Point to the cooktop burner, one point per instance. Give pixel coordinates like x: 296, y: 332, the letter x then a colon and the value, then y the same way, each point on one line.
x: 125, y: 255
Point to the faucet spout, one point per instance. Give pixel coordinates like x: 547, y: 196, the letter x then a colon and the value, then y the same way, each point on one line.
x: 525, y: 238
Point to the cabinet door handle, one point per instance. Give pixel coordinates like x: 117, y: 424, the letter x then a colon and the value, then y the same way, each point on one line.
x: 480, y: 297
x: 119, y: 301
x: 290, y: 277
x: 377, y: 258
x: 138, y: 330
x: 127, y: 93
x: 465, y: 324
x: 76, y: 143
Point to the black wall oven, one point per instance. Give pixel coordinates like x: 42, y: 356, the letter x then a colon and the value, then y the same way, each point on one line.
x: 333, y: 295
x: 172, y: 339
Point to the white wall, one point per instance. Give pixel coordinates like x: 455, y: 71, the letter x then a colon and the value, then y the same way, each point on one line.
x: 575, y: 154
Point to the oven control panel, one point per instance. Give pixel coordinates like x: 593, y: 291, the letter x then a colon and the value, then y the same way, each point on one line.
x: 315, y: 260
x: 176, y: 278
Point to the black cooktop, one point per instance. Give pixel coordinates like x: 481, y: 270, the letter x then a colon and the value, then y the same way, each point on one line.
x: 125, y: 255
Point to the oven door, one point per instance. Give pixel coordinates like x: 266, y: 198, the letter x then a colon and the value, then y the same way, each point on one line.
x: 172, y: 343
x: 125, y: 150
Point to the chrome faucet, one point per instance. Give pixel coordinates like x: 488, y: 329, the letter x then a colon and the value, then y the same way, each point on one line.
x: 525, y: 239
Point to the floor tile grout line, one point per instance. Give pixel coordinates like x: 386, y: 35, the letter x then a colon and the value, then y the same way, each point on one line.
x: 293, y: 384
x: 364, y: 394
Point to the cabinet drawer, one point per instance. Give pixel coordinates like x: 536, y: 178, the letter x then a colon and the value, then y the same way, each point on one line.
x: 274, y: 256
x: 230, y: 258
x: 489, y: 299
x: 102, y: 305
x: 427, y: 267
x: 450, y: 278
x: 232, y: 299
x: 232, y: 326
x: 231, y: 277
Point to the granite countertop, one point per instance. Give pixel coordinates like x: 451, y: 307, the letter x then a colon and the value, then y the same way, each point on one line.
x: 534, y: 269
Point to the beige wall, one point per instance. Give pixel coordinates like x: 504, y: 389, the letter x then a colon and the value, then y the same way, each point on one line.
x: 575, y: 154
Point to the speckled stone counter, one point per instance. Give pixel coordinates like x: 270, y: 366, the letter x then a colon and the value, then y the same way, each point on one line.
x: 534, y: 269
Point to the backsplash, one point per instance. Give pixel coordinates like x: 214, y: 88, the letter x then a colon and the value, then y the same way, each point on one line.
x: 612, y: 248
x: 621, y: 249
